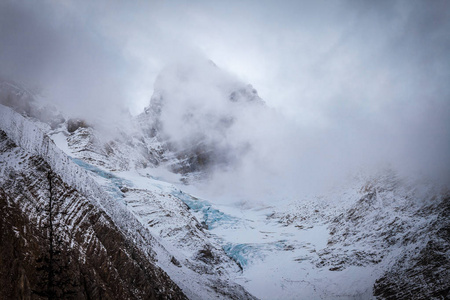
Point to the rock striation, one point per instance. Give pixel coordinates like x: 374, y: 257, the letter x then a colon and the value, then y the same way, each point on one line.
x: 56, y: 244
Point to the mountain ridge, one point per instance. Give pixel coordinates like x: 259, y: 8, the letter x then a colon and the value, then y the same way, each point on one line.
x: 389, y: 230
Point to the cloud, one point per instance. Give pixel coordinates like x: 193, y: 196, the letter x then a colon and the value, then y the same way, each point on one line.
x: 348, y: 83
x: 270, y: 156
x: 48, y: 46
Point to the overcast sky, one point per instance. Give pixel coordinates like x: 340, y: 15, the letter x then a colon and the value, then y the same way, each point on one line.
x: 372, y: 70
x: 296, y: 53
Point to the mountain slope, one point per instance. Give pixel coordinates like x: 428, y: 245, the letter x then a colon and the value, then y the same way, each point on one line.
x: 376, y: 236
x: 25, y: 140
x: 56, y: 244
x: 387, y: 239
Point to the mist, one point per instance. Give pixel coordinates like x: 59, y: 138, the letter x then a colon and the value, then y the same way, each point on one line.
x: 348, y: 86
x: 53, y: 51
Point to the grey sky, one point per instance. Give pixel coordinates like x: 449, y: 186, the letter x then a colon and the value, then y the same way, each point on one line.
x: 367, y: 77
x: 289, y: 50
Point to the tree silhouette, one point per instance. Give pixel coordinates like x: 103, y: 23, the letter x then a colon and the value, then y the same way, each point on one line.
x: 56, y: 261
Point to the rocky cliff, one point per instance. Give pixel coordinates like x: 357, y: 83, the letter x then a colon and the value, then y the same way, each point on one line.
x: 98, y: 241
x: 56, y: 244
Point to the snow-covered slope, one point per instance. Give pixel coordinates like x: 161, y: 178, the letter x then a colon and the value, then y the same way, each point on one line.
x: 369, y: 232
x: 202, y: 276
x: 379, y: 235
x: 56, y: 240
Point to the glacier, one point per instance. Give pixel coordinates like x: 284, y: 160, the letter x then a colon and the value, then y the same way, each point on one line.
x: 197, y: 278
x: 376, y: 236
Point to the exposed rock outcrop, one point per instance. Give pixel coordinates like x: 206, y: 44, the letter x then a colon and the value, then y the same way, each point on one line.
x: 56, y: 244
x: 422, y: 272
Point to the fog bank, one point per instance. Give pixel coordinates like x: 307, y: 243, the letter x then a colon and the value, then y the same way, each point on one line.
x: 348, y: 85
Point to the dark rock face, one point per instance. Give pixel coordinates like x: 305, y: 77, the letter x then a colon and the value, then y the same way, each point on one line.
x: 74, y: 124
x: 54, y: 244
x: 422, y: 272
x: 246, y: 94
x: 205, y: 145
x: 193, y: 160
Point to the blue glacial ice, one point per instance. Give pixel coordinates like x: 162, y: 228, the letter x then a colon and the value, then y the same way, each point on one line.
x: 242, y: 253
x: 114, y: 183
x: 212, y: 217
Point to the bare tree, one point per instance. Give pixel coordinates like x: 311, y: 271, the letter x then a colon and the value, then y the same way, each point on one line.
x: 55, y: 262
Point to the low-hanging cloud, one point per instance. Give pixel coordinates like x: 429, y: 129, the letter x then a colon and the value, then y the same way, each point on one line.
x: 47, y: 47
x: 348, y: 84
x: 270, y: 156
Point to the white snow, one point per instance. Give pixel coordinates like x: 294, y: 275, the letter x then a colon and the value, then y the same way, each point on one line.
x: 279, y: 247
x: 60, y: 139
